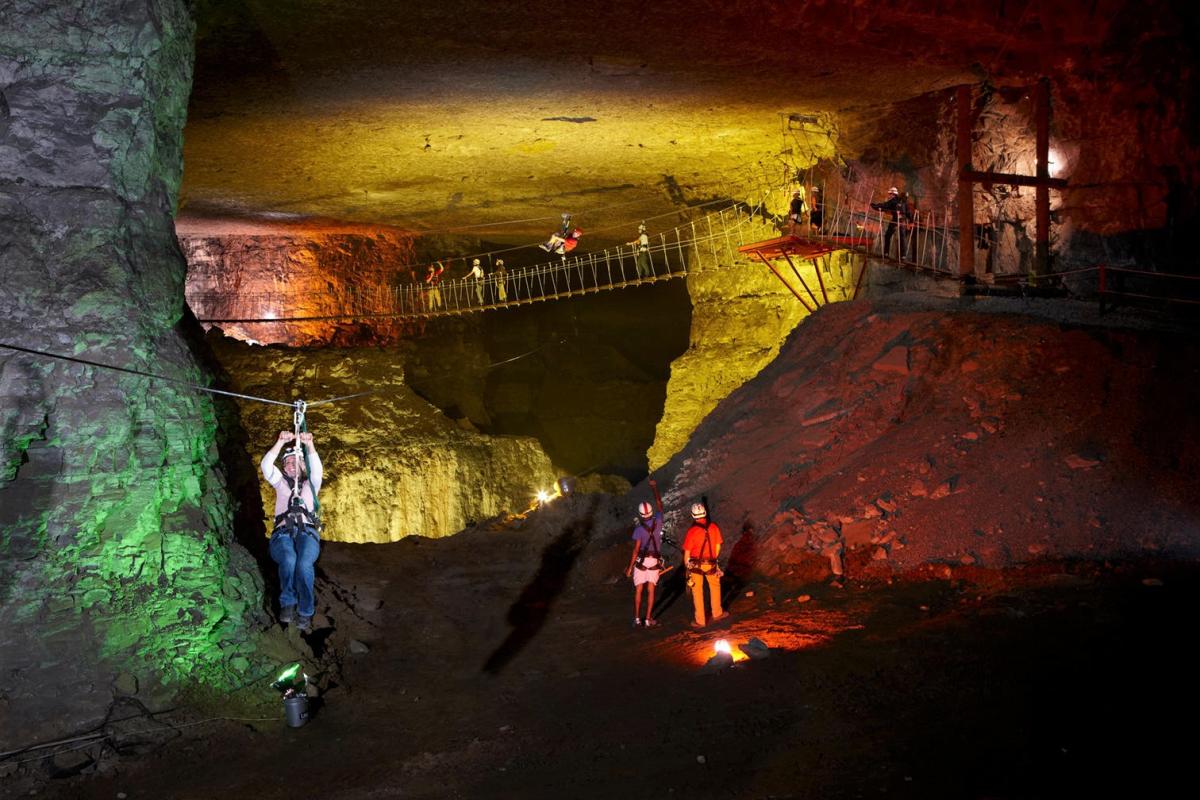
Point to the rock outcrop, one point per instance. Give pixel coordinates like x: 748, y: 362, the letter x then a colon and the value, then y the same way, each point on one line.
x: 240, y: 270
x: 115, y: 526
x: 741, y: 313
x: 893, y: 439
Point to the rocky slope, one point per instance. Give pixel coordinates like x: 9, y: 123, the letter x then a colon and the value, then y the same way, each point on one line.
x: 902, y: 438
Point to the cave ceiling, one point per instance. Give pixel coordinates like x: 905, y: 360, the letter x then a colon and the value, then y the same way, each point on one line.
x: 435, y: 116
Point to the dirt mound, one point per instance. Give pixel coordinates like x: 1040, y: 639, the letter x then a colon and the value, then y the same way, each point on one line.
x: 900, y: 438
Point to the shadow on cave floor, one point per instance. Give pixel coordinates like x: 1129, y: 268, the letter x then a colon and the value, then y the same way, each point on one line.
x: 529, y: 613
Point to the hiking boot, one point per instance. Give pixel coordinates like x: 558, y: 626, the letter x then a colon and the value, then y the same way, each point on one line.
x: 305, y: 624
x: 287, y: 614
x: 637, y: 623
x: 650, y: 623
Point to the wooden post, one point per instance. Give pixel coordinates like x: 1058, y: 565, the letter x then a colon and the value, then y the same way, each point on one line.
x: 1041, y: 264
x: 966, y: 189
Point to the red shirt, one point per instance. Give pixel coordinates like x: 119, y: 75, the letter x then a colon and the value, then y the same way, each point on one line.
x: 693, y: 541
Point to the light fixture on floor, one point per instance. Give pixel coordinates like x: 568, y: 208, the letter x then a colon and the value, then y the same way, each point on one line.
x: 291, y: 683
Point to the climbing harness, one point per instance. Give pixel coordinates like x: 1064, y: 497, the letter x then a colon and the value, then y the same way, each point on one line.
x: 645, y: 554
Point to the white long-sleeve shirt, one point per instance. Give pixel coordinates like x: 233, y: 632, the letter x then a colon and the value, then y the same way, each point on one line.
x: 283, y: 493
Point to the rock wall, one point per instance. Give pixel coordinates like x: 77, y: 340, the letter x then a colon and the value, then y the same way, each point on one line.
x: 741, y: 313
x: 265, y: 270
x: 906, y: 435
x: 1121, y: 134
x: 586, y: 376
x: 394, y: 465
x: 117, y: 569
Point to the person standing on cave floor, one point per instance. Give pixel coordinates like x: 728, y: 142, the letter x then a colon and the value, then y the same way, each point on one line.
x: 296, y: 539
x: 646, y: 562
x: 701, y: 546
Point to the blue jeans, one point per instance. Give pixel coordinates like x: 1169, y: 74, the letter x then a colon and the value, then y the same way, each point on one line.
x: 296, y: 553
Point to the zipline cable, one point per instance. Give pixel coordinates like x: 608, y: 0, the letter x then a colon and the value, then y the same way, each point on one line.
x: 178, y: 381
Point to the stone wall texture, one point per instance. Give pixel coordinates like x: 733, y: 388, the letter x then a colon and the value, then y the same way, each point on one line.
x: 262, y: 270
x: 117, y: 570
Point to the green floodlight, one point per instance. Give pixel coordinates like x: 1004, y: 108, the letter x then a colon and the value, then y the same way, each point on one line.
x: 291, y: 684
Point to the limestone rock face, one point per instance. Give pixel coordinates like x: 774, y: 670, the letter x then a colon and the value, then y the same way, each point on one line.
x: 394, y: 465
x: 888, y: 439
x: 260, y: 270
x: 115, y: 525
x: 741, y: 313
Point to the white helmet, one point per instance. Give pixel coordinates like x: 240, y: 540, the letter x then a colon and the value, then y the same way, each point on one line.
x: 499, y: 262
x: 893, y: 190
x: 645, y: 510
x: 699, y: 511
x: 475, y: 262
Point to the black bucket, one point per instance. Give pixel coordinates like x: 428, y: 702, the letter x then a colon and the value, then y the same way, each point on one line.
x: 296, y: 710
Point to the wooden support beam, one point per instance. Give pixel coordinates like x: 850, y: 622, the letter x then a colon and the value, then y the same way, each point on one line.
x: 989, y: 178
x: 1041, y: 202
x: 966, y: 189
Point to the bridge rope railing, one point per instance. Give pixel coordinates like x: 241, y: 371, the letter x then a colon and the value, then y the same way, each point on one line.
x: 668, y: 256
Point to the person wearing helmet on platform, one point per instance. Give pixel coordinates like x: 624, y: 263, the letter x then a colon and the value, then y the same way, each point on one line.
x: 642, y: 260
x: 816, y: 213
x: 296, y: 538
x: 646, y: 562
x: 476, y: 274
x: 894, y: 206
x: 795, y: 210
x: 701, y: 546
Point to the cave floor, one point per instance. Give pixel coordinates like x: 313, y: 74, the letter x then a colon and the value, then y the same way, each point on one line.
x: 503, y: 663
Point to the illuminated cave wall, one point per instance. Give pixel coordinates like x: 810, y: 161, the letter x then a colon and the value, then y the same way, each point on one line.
x: 1123, y: 133
x: 117, y: 569
x: 264, y: 270
x: 741, y: 314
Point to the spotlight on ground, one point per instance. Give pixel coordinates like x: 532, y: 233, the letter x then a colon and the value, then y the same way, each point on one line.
x: 291, y: 684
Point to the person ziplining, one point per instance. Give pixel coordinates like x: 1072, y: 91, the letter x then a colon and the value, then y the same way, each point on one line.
x: 296, y: 538
x: 565, y: 239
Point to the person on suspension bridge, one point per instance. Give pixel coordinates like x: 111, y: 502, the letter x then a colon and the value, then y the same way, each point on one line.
x: 795, y: 211
x: 701, y: 546
x: 565, y: 240
x: 433, y: 292
x: 476, y: 275
x: 501, y: 277
x: 296, y: 539
x: 642, y: 260
x: 646, y: 563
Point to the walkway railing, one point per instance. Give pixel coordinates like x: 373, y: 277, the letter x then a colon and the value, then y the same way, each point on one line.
x: 671, y: 254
